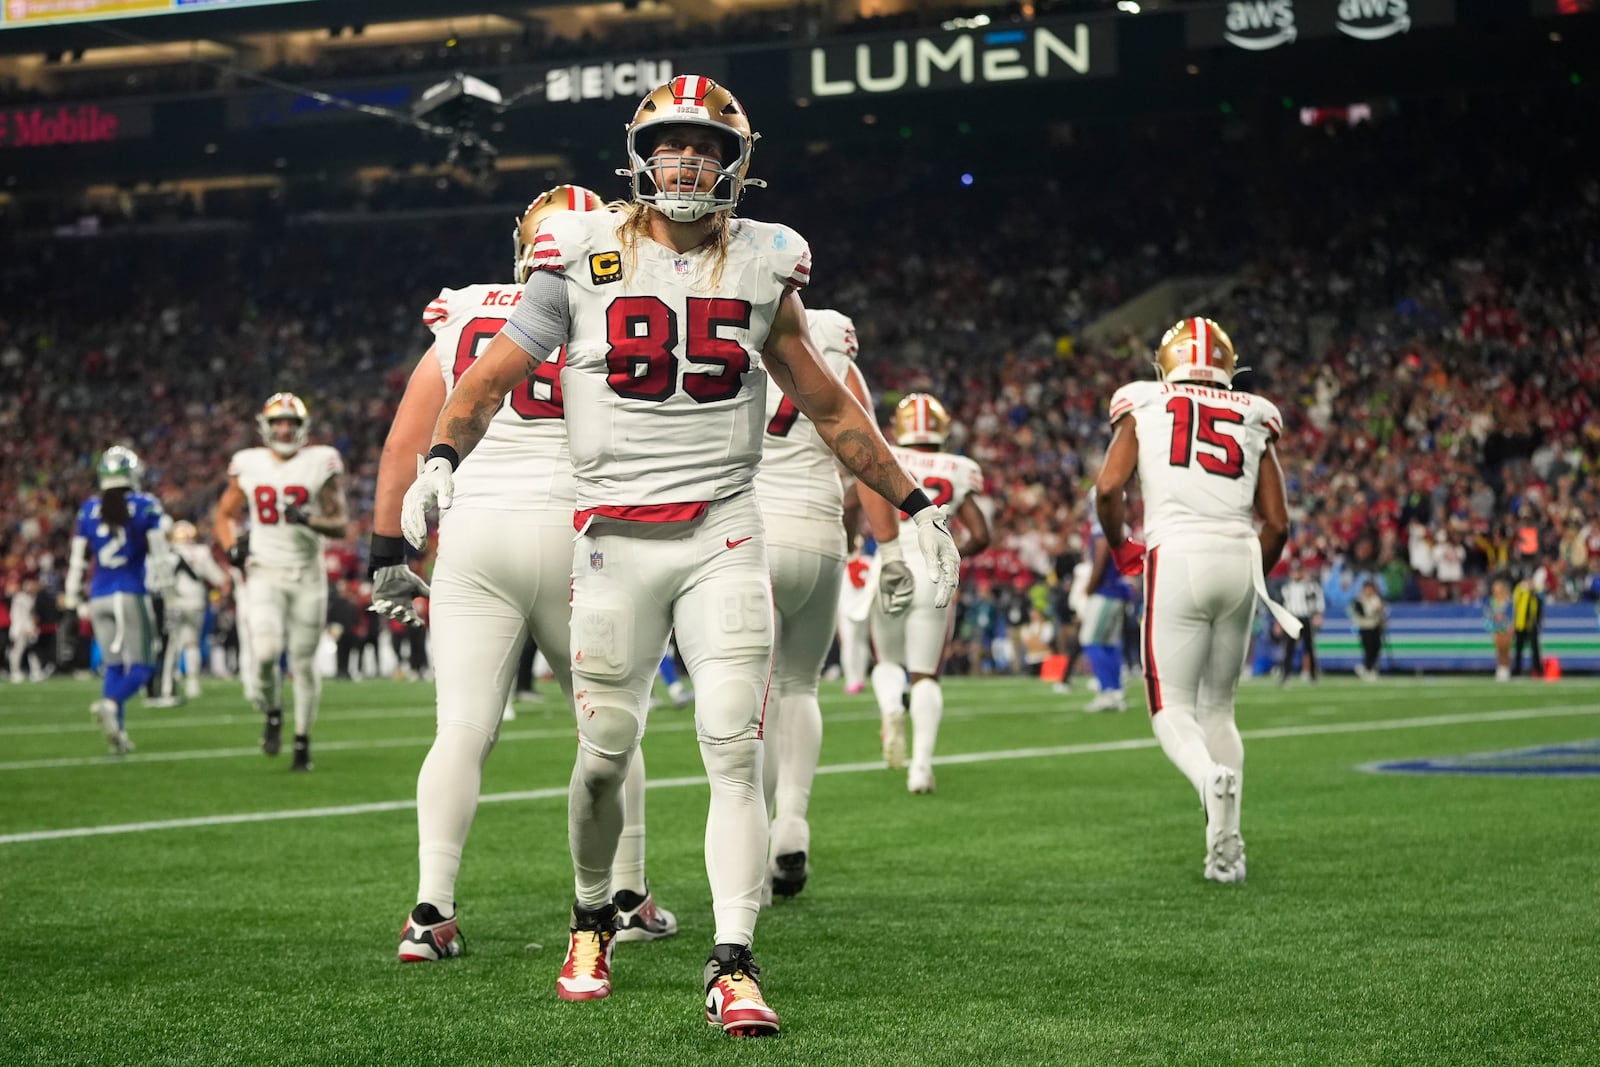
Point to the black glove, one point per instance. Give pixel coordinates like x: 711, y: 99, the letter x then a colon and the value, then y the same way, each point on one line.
x: 240, y: 551
x: 297, y: 515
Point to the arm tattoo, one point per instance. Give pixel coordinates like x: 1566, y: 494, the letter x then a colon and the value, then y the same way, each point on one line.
x: 463, y: 432
x: 871, y: 462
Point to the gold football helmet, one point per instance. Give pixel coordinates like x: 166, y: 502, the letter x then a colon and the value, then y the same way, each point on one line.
x: 1197, y: 350
x: 284, y: 406
x: 183, y: 533
x: 698, y: 101
x: 919, y: 419
x: 561, y: 198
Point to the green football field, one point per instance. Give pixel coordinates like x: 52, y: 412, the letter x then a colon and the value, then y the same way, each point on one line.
x: 195, y: 903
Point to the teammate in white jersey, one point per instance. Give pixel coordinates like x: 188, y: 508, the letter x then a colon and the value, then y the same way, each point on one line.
x: 504, y: 565
x: 196, y: 574
x: 1205, y: 458
x: 853, y: 620
x: 674, y: 315
x: 802, y: 505
x: 295, y: 495
x: 914, y: 643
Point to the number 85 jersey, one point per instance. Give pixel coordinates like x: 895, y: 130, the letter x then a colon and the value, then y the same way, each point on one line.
x: 664, y: 387
x: 1200, y: 454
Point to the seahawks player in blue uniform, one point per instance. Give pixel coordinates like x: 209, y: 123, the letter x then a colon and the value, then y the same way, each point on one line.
x: 122, y: 528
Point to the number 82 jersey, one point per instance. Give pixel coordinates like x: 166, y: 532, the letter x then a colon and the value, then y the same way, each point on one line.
x: 272, y: 484
x: 1200, y: 454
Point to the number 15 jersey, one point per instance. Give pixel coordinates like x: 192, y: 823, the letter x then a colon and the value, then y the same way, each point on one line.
x: 1200, y: 454
x: 664, y: 388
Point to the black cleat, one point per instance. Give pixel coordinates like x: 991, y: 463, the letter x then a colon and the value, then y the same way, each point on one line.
x: 272, y: 736
x: 302, y: 753
x: 790, y: 876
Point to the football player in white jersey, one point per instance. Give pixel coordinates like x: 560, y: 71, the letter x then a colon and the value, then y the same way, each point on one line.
x: 196, y: 574
x: 1205, y: 458
x: 503, y: 571
x: 295, y: 495
x: 913, y: 643
x: 853, y: 620
x: 802, y: 503
x: 674, y: 314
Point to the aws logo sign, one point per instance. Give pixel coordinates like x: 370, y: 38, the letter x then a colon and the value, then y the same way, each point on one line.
x: 1373, y: 20
x: 1260, y: 25
x: 1572, y: 759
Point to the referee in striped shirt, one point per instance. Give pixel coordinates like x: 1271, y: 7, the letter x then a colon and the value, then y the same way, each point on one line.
x: 1302, y: 595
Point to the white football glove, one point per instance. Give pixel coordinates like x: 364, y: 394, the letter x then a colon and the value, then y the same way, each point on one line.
x: 895, y: 581
x: 393, y: 589
x: 70, y: 601
x: 939, y: 549
x: 435, y: 484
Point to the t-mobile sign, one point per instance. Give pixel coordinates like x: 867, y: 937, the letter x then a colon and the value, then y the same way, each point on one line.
x: 44, y: 127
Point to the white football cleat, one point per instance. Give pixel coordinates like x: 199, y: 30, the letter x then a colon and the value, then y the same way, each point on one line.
x: 1224, y: 846
x: 894, y: 740
x: 641, y: 918
x: 427, y: 935
x: 919, y: 779
x: 1107, y: 700
x: 104, y: 712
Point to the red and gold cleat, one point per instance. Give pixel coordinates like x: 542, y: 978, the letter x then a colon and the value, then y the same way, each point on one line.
x: 733, y: 996
x: 586, y: 972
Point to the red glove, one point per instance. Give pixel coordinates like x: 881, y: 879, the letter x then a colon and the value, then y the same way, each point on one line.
x: 1129, y: 557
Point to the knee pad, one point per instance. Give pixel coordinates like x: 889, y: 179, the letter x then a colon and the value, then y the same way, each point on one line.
x: 608, y: 731
x: 602, y: 637
x: 729, y: 709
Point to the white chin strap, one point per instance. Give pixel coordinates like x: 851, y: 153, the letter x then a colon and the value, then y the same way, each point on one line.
x: 686, y: 210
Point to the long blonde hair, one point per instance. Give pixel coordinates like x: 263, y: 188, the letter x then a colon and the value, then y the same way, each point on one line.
x: 635, y: 227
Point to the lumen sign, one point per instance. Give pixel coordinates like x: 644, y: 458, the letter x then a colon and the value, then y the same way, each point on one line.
x: 1036, y: 51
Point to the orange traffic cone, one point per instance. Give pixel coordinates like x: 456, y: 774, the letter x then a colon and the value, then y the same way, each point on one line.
x: 1552, y: 669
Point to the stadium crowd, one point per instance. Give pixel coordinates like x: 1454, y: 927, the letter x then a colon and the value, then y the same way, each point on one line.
x: 1418, y: 294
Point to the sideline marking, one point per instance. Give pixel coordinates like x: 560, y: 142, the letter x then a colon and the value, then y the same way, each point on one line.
x: 1571, y: 759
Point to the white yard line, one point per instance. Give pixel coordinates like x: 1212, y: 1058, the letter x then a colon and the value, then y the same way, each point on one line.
x: 665, y: 721
x: 1000, y: 756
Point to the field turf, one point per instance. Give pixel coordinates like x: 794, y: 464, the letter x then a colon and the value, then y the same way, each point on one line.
x: 195, y: 903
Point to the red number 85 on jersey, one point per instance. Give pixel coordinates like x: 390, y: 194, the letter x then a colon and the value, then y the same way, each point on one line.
x: 643, y: 335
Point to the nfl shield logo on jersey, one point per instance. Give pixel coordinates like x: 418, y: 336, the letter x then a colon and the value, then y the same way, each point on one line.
x: 681, y: 265
x: 597, y: 561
